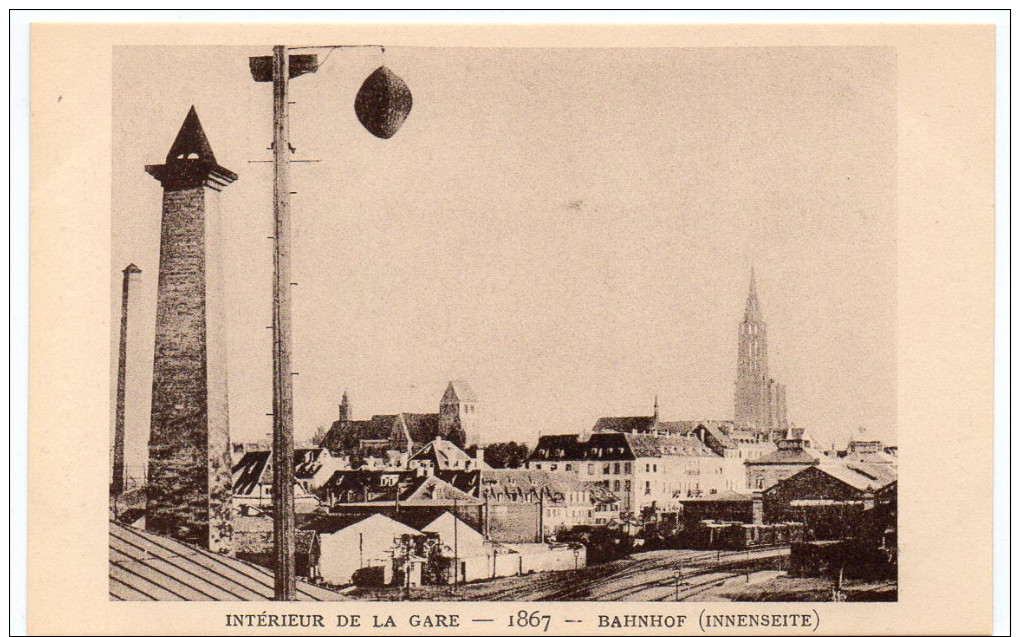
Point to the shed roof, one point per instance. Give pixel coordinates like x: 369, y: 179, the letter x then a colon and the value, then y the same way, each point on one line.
x: 145, y: 566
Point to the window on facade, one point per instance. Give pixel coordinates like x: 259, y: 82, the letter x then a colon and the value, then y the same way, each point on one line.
x: 538, y: 465
x: 591, y: 468
x: 568, y: 467
x: 605, y: 483
x: 552, y: 467
x: 759, y: 482
x: 626, y: 485
x: 626, y: 468
x: 616, y: 485
x: 648, y: 487
x: 616, y: 468
x: 605, y: 469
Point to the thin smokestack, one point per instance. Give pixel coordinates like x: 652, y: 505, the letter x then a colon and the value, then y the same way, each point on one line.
x: 131, y: 273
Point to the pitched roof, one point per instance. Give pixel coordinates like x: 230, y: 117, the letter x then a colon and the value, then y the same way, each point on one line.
x: 466, y: 481
x: 444, y: 454
x: 713, y: 429
x: 625, y: 424
x: 676, y: 427
x: 248, y: 471
x: 617, y: 446
x: 726, y: 496
x: 255, y: 468
x: 435, y: 488
x: 346, y: 434
x: 529, y: 481
x: 145, y: 566
x: 421, y: 427
x: 459, y: 390
x: 652, y: 446
x: 373, y: 523
x: 787, y: 456
x: 379, y: 486
x: 559, y: 447
x: 859, y: 475
x: 307, y: 462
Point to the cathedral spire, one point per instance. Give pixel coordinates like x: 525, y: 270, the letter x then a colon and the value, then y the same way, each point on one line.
x: 752, y: 311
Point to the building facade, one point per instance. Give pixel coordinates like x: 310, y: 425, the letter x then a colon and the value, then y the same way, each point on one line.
x: 647, y: 472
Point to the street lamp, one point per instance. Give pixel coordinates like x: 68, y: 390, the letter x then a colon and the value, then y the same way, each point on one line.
x: 382, y: 105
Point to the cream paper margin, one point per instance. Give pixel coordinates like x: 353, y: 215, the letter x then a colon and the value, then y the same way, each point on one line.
x: 945, y: 246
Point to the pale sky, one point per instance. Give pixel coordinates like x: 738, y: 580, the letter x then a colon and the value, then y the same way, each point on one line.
x: 569, y: 230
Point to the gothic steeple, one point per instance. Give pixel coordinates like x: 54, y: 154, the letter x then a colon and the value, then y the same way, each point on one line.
x: 752, y: 403
x: 752, y: 311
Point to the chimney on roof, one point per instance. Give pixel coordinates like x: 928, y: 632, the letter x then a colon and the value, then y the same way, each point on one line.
x: 479, y: 457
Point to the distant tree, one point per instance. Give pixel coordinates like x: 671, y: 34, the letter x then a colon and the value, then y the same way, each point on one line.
x: 319, y: 437
x: 506, y: 455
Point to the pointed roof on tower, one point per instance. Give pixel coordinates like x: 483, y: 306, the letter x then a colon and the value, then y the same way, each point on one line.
x: 191, y: 142
x: 752, y: 311
x: 458, y: 390
x: 191, y: 161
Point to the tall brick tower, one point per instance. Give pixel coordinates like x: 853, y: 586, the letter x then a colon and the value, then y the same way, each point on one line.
x: 128, y: 423
x: 189, y: 482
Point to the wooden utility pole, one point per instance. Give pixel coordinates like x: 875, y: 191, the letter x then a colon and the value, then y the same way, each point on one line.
x: 456, y: 554
x: 283, y: 393
x: 382, y: 106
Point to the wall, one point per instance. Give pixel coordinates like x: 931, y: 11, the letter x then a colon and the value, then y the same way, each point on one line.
x: 543, y: 557
x: 513, y: 522
x: 343, y: 553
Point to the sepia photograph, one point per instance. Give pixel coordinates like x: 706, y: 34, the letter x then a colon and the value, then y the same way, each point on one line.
x: 397, y: 323
x: 615, y: 323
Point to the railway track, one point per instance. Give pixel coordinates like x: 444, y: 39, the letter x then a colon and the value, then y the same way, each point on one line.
x: 596, y: 589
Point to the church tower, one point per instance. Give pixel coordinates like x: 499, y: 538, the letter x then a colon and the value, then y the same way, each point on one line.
x: 752, y: 404
x: 458, y: 414
x: 345, y: 408
x: 189, y: 483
